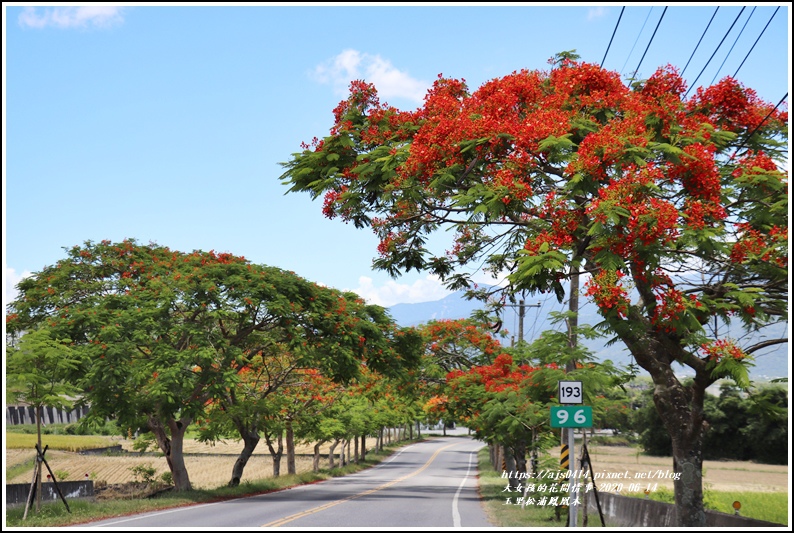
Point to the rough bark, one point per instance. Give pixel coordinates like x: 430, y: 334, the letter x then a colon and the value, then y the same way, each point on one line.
x: 171, y: 443
x: 363, y: 447
x: 681, y: 409
x: 275, y: 453
x: 510, y: 465
x: 250, y: 441
x: 290, y: 448
x: 331, y: 463
x: 316, y: 458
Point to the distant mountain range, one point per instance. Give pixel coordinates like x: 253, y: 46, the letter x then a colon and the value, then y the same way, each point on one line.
x: 770, y: 363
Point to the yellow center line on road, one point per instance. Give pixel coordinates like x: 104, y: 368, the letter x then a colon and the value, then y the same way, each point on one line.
x: 282, y: 521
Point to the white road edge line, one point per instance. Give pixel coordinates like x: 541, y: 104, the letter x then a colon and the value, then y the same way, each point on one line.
x: 455, y: 511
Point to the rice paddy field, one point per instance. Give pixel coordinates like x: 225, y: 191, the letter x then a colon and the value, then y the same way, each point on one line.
x: 209, y: 466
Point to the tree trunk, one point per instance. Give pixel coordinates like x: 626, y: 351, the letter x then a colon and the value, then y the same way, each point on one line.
x: 492, y: 455
x: 290, y: 449
x: 172, y: 448
x: 363, y: 448
x: 355, y: 448
x: 520, y: 457
x: 316, y: 458
x: 331, y: 463
x: 275, y: 453
x: 681, y: 410
x: 250, y: 441
x: 510, y: 465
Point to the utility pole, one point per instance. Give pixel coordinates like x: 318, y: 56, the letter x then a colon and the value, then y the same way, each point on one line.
x: 521, y: 312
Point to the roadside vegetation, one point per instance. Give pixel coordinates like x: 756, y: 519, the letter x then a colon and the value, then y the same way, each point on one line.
x: 55, y: 514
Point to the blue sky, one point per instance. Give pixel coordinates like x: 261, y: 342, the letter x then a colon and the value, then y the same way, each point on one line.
x: 168, y: 123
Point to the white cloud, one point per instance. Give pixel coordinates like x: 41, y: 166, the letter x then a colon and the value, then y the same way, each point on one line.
x: 10, y: 280
x: 427, y: 289
x: 72, y: 17
x: 351, y: 65
x: 596, y: 13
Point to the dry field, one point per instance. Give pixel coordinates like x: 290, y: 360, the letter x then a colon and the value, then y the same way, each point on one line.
x: 208, y: 466
x: 718, y: 475
x: 211, y: 466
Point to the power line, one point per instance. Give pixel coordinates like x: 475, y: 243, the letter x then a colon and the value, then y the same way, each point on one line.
x: 756, y: 41
x: 715, y: 52
x: 613, y: 35
x: 701, y: 38
x: 649, y: 42
x: 635, y: 40
x: 734, y: 44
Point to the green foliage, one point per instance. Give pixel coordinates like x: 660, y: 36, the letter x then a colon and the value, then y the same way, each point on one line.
x: 144, y: 442
x: 37, y: 369
x: 62, y: 475
x: 93, y: 426
x: 767, y: 429
x: 167, y: 478
x: 653, y: 437
x: 144, y: 473
x: 741, y: 426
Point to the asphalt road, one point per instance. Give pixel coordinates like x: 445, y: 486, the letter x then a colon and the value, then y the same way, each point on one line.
x: 426, y: 484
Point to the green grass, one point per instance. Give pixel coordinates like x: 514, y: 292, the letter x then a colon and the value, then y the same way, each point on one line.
x: 55, y: 514
x: 501, y: 513
x: 767, y: 506
x: 20, y: 468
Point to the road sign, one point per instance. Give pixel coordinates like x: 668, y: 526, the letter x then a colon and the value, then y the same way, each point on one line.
x: 565, y: 416
x: 570, y: 392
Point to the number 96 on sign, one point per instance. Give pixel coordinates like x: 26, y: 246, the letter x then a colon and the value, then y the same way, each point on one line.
x: 574, y: 416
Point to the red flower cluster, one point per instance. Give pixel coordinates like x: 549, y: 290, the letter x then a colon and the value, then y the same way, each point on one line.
x: 723, y: 348
x: 769, y: 247
x: 607, y: 292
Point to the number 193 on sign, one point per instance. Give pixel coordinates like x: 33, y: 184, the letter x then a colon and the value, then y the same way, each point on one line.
x: 577, y: 416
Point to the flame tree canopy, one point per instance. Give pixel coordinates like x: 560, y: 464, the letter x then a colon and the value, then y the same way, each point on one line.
x: 675, y: 208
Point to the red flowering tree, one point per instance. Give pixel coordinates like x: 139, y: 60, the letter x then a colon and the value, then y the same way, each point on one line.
x: 267, y: 401
x: 506, y: 404
x: 451, y: 345
x: 163, y: 336
x: 677, y: 208
x: 458, y: 344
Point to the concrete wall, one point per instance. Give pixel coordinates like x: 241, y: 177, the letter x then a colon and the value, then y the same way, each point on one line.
x: 624, y: 511
x: 17, y: 493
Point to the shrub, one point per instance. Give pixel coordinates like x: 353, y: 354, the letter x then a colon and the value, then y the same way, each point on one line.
x: 143, y: 473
